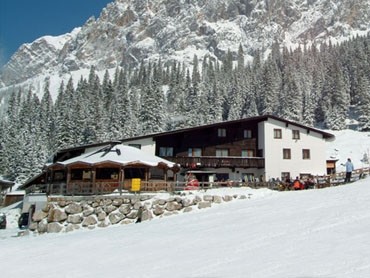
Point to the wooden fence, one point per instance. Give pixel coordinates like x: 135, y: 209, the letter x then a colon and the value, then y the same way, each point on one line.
x: 87, y: 188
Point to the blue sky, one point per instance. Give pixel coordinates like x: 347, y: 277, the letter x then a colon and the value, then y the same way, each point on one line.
x: 23, y: 21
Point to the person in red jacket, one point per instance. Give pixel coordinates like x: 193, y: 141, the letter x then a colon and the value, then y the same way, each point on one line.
x: 297, y: 184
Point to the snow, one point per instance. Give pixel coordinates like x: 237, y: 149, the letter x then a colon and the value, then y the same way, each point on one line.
x: 310, y: 233
x: 121, y: 154
x: 349, y: 144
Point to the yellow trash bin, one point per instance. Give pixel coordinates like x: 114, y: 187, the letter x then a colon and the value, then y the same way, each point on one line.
x: 135, y: 184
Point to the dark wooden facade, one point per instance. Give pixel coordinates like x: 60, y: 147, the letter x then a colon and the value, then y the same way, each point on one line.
x: 208, y: 141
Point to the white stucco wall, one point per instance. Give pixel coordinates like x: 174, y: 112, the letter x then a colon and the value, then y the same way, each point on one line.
x: 147, y: 144
x: 273, y: 150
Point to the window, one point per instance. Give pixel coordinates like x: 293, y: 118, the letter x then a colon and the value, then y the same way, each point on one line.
x: 247, y: 153
x: 247, y: 133
x: 59, y: 176
x: 306, y: 154
x: 138, y: 146
x: 194, y: 152
x: 222, y: 152
x: 221, y: 132
x: 286, y: 154
x: 166, y: 151
x: 295, y: 134
x: 277, y: 133
x: 107, y: 173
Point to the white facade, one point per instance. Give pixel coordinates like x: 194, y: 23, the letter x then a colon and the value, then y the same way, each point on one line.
x: 307, y: 142
x: 275, y: 164
x: 146, y: 144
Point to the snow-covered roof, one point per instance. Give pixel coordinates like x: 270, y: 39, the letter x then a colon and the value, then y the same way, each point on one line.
x: 119, y: 154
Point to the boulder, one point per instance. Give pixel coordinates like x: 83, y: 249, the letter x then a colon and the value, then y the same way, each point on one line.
x: 137, y: 205
x: 101, y: 215
x: 74, y: 219
x: 147, y: 215
x: 110, y: 208
x: 98, y: 210
x: 126, y: 221
x: 196, y: 200
x: 126, y: 201
x: 69, y: 228
x: 227, y: 198
x: 158, y: 210
x: 202, y: 205
x: 217, y: 199
x: 103, y: 224
x: 62, y: 203
x: 188, y: 209
x: 117, y: 202
x: 187, y: 203
x: 116, y: 217
x: 125, y: 209
x: 208, y: 198
x: 42, y: 226
x: 56, y: 215
x: 107, y: 202
x: 88, y: 211
x: 32, y: 226
x: 73, y: 208
x: 90, y: 220
x: 39, y: 215
x: 132, y: 214
x: 54, y: 227
x: 171, y: 206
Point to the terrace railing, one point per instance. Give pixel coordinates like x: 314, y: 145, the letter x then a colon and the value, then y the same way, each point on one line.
x: 218, y: 162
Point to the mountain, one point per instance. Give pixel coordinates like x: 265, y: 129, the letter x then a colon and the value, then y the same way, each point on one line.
x: 128, y: 32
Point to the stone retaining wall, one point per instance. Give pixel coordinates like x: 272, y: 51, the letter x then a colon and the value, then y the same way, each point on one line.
x: 65, y: 214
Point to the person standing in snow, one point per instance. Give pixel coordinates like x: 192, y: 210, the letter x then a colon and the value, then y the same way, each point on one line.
x: 349, y: 169
x: 139, y: 214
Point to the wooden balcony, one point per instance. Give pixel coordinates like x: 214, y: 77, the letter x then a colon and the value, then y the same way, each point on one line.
x: 219, y: 162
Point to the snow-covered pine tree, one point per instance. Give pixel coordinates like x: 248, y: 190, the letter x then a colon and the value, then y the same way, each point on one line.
x: 64, y: 136
x: 363, y: 105
x: 235, y: 99
x: 336, y: 120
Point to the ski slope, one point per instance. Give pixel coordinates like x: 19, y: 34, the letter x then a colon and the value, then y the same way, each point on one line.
x: 300, y: 234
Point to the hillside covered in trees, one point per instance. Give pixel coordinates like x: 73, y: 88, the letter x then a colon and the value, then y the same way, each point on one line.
x: 314, y: 85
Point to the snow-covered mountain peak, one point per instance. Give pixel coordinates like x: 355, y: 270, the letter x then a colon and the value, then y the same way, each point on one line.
x: 128, y: 32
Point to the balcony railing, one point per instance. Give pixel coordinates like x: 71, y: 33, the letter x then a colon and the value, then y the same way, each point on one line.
x: 218, y: 162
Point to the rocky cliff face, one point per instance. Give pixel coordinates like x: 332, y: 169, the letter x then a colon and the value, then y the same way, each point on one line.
x: 128, y: 32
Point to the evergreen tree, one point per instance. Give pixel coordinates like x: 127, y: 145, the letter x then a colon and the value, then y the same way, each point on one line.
x: 47, y: 121
x: 236, y: 100
x: 364, y: 103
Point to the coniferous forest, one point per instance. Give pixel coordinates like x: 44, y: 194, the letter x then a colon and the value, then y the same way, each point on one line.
x: 314, y: 85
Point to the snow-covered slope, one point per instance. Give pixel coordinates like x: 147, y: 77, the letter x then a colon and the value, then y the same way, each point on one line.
x: 312, y: 233
x: 349, y: 144
x: 128, y: 32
